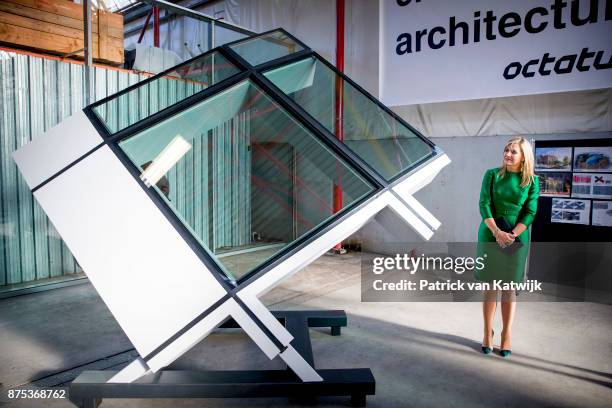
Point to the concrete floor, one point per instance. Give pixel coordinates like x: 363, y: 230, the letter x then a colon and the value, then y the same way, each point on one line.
x: 421, y: 354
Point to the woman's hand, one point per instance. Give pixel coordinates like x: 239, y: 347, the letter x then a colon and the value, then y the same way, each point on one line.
x: 504, y: 239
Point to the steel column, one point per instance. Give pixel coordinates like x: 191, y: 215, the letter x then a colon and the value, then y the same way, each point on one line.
x: 156, y: 26
x: 87, y: 49
x: 144, y: 27
x: 339, y: 102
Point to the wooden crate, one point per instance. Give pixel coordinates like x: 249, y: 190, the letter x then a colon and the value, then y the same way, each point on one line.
x: 56, y: 26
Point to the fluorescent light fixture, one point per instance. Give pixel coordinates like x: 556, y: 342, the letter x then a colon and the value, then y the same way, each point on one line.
x: 164, y: 161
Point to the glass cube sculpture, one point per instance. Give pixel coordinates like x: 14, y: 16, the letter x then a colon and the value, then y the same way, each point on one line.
x: 188, y: 195
x: 255, y: 176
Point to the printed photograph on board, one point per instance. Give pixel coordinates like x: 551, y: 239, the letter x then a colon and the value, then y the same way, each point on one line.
x: 593, y: 159
x: 553, y: 159
x: 555, y: 184
x: 592, y: 185
x: 602, y: 213
x: 570, y: 211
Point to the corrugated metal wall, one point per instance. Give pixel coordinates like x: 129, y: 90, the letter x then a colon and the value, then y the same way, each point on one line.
x: 37, y: 93
x: 232, y: 183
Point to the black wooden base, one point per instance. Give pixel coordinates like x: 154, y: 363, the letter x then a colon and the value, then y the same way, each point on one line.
x: 89, y: 388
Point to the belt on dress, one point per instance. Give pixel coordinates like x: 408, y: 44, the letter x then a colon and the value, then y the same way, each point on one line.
x: 507, y: 212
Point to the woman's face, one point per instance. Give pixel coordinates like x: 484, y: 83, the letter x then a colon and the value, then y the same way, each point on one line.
x: 513, y: 157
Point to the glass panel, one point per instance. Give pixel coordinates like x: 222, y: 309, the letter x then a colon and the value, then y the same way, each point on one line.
x: 245, y: 177
x: 383, y: 142
x: 266, y: 48
x: 151, y: 97
x: 225, y: 35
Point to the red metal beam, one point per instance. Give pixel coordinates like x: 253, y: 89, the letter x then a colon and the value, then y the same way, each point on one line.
x: 144, y: 27
x: 156, y: 26
x: 340, y: 35
x: 339, y: 103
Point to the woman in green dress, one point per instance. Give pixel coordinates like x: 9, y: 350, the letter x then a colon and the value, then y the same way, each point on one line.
x: 510, y: 191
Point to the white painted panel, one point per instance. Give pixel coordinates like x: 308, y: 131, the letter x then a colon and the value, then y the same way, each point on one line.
x: 410, y: 218
x: 419, y: 179
x: 131, y: 372
x: 253, y: 330
x: 267, y: 318
x: 150, y: 279
x: 421, y: 211
x: 191, y: 337
x: 299, y: 365
x: 55, y: 149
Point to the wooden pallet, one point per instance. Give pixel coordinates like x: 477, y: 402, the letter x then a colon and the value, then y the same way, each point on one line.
x: 56, y: 27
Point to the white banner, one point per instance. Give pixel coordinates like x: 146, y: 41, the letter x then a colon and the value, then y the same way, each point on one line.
x: 445, y: 50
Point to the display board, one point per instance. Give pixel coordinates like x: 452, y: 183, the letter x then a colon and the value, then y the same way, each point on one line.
x: 575, y: 202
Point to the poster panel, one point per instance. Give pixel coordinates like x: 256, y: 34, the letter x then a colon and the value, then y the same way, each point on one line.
x: 555, y: 184
x: 592, y: 185
x: 553, y: 159
x: 570, y: 211
x: 602, y: 213
x: 593, y: 159
x: 447, y: 50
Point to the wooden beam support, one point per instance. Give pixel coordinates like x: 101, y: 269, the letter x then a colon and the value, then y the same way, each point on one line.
x: 57, y: 27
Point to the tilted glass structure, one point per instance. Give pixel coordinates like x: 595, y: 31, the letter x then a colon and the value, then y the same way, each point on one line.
x: 270, y: 128
x: 266, y: 158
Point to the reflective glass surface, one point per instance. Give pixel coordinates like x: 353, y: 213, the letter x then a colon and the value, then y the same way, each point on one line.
x: 382, y: 141
x: 153, y: 96
x: 225, y: 35
x: 242, y: 175
x: 266, y: 48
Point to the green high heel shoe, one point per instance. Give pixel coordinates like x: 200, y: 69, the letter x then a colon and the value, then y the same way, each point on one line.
x: 488, y: 350
x: 504, y: 352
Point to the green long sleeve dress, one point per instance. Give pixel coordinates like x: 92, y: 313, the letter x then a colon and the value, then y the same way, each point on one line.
x: 516, y: 204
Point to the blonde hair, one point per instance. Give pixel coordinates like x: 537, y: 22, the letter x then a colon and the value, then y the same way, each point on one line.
x: 527, y: 174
